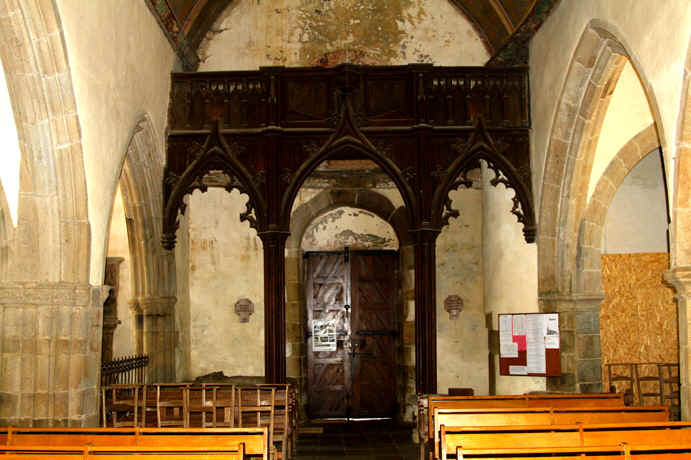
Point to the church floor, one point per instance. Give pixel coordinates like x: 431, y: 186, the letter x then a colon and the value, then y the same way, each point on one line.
x: 358, y: 441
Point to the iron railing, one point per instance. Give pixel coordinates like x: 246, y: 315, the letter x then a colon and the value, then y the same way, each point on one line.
x: 125, y: 370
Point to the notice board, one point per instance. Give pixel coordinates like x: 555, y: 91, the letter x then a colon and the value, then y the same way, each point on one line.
x: 529, y: 344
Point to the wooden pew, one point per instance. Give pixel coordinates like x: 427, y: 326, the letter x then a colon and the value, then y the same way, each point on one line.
x: 542, y: 416
x: 427, y: 404
x: 618, y: 452
x: 471, y: 438
x: 122, y: 453
x: 255, y: 440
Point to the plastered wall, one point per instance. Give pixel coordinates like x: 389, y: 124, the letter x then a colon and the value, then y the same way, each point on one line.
x: 510, y: 273
x: 318, y: 32
x: 121, y: 64
x: 123, y: 343
x: 656, y: 38
x: 225, y: 264
x: 637, y: 217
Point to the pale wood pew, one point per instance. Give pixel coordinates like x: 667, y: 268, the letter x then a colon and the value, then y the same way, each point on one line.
x: 255, y: 440
x: 427, y: 404
x: 122, y: 453
x: 542, y: 416
x: 471, y: 438
x: 623, y: 452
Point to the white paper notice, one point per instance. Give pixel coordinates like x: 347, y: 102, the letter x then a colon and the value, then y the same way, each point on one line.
x: 507, y: 349
x: 519, y: 324
x: 552, y: 331
x: 518, y: 370
x: 535, y: 360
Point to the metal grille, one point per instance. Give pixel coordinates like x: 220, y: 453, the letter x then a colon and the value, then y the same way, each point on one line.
x: 125, y: 370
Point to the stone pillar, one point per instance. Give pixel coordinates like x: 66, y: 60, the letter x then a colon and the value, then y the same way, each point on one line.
x: 274, y: 243
x: 50, y: 354
x: 579, y: 327
x: 424, y: 241
x: 110, y: 306
x: 680, y: 279
x: 155, y: 323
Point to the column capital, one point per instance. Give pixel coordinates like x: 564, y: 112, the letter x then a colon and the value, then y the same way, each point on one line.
x: 154, y: 306
x: 680, y: 279
x: 422, y: 235
x: 571, y: 302
x: 274, y: 237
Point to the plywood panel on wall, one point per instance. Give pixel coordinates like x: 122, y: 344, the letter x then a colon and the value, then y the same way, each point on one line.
x: 638, y: 318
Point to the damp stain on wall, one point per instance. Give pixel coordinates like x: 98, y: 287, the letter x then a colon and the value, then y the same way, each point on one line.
x: 354, y: 31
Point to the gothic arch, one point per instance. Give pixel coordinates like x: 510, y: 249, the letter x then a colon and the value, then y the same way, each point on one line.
x: 334, y: 148
x: 215, y: 154
x: 153, y: 268
x: 588, y: 269
x: 482, y: 147
x: 53, y: 200
x: 681, y: 215
x: 327, y: 200
x: 593, y: 73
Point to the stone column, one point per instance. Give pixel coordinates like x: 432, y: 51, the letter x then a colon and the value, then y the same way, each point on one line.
x: 680, y: 279
x: 274, y: 243
x: 50, y: 354
x: 156, y: 318
x: 579, y: 327
x: 424, y: 240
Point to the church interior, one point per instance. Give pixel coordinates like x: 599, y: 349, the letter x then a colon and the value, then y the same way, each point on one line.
x: 339, y: 205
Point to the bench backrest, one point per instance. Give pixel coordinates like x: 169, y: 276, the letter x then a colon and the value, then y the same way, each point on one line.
x: 624, y: 452
x: 254, y: 440
x: 520, y: 401
x: 543, y: 416
x: 562, y: 435
x: 120, y: 452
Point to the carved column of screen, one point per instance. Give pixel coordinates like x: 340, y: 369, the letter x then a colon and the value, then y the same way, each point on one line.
x: 274, y: 243
x: 680, y: 279
x: 425, y: 241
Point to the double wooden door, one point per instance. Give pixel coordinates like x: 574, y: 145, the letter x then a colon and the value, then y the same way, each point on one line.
x: 352, y: 331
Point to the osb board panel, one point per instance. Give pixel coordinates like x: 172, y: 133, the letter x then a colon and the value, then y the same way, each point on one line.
x: 638, y: 318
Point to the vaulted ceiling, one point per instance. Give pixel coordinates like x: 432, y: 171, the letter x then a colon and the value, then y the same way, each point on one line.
x: 505, y: 26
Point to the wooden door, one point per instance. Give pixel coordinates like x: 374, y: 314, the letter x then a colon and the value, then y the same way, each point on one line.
x: 328, y: 366
x: 352, y: 295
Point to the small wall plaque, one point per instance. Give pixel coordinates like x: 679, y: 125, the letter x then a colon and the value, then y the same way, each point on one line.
x: 244, y: 308
x: 454, y: 305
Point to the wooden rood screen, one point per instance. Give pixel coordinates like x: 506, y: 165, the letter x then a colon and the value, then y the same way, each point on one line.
x: 425, y: 126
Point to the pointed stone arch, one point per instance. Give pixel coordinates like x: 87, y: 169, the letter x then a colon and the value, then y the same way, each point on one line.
x: 153, y: 268
x: 48, y: 276
x: 588, y: 269
x: 593, y: 73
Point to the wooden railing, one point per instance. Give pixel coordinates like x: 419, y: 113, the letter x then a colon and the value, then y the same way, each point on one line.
x: 125, y: 370
x: 304, y: 98
x: 646, y: 383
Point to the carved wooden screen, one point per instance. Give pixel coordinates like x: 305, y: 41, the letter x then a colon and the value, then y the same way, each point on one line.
x: 354, y: 296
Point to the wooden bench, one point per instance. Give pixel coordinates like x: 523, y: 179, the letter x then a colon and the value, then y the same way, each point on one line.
x: 427, y: 404
x: 254, y: 440
x: 542, y: 416
x: 120, y: 452
x: 624, y: 452
x: 471, y: 438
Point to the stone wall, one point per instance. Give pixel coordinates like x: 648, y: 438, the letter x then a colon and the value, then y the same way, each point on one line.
x: 50, y: 354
